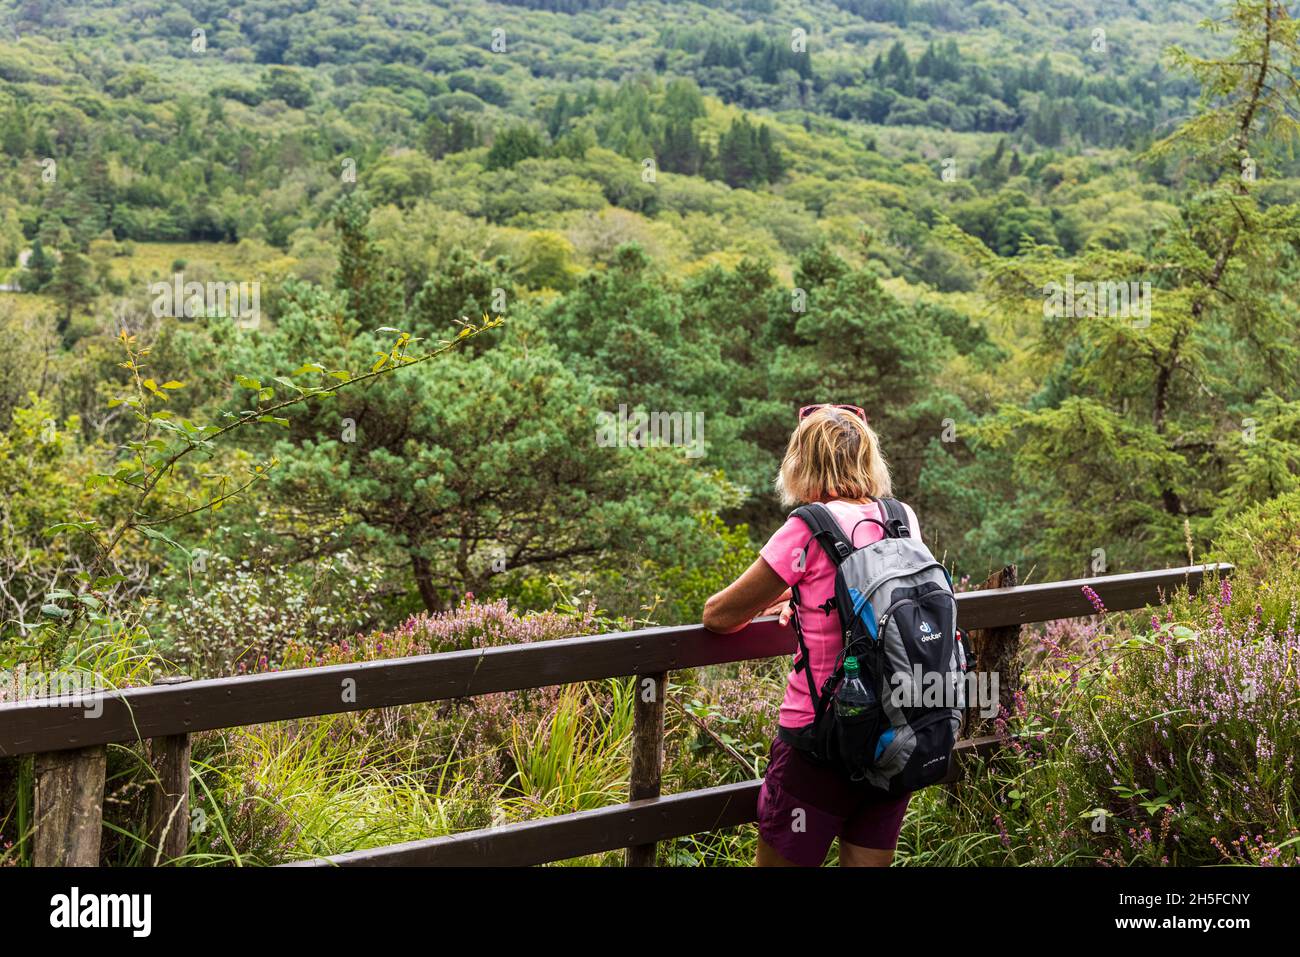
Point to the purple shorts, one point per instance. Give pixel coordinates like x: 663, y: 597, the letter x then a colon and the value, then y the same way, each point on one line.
x: 803, y: 807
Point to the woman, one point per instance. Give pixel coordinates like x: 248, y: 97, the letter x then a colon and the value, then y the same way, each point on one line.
x: 833, y: 458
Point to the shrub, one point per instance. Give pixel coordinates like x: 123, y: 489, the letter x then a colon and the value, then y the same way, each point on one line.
x: 367, y: 778
x: 235, y: 612
x: 1168, y: 740
x: 1263, y: 537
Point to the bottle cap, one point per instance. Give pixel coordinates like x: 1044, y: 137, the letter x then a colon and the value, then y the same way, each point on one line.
x: 851, y: 665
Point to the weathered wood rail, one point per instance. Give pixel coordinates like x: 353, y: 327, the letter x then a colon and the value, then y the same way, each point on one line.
x: 69, y: 741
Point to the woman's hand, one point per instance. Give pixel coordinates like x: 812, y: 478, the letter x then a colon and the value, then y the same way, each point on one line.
x: 783, y: 607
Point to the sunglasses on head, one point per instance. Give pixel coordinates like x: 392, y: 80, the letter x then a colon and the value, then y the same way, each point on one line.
x: 808, y: 410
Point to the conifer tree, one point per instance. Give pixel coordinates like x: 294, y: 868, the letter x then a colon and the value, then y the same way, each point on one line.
x: 1138, y: 434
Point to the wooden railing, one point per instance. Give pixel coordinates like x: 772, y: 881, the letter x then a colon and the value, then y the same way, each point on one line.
x: 69, y: 742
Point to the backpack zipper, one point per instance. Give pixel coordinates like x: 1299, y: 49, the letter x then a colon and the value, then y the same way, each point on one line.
x: 903, y: 574
x: 884, y: 620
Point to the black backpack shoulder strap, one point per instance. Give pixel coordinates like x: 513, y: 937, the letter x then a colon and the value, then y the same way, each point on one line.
x: 837, y: 547
x: 896, y: 522
x: 826, y: 530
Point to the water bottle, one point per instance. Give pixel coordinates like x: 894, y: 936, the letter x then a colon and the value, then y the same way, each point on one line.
x: 853, y: 698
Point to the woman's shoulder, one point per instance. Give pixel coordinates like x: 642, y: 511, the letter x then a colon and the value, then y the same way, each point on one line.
x: 852, y: 512
x: 843, y: 510
x: 871, y: 507
x: 787, y: 550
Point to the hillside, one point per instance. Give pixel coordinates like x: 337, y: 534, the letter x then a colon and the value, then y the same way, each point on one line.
x: 337, y: 332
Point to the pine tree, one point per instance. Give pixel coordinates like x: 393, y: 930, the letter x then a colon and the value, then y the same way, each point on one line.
x: 444, y: 138
x: 772, y: 163
x: 898, y: 63
x: 680, y: 150
x: 683, y: 100
x: 899, y: 67
x: 738, y: 155
x: 373, y: 297
x: 73, y: 285
x: 512, y: 145
x: 558, y: 116
x: 926, y: 66
x: 40, y: 267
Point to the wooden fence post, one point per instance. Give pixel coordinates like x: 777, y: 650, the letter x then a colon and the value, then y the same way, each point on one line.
x: 69, y: 807
x: 169, y: 793
x: 997, y: 652
x: 650, y: 696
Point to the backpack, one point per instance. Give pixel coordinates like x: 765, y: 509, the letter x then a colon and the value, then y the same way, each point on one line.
x: 898, y: 617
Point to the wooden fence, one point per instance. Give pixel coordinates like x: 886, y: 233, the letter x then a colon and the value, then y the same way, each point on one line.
x: 69, y: 742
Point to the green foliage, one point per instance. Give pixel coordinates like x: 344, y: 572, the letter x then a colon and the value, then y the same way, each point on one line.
x: 465, y: 286
x: 513, y: 145
x: 746, y: 156
x: 1153, y: 425
x: 280, y: 83
x: 489, y: 463
x: 1262, y: 540
x: 1164, y: 742
x: 43, y: 465
x: 704, y: 221
x: 454, y: 136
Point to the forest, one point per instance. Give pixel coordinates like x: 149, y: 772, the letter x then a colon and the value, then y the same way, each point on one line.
x: 312, y: 311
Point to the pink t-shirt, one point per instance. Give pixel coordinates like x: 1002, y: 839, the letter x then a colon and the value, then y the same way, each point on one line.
x: 815, y: 576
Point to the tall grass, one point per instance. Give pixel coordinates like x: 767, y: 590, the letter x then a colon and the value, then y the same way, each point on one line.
x: 280, y: 792
x: 76, y: 663
x: 576, y: 759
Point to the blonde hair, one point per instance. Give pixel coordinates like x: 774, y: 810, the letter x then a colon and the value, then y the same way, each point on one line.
x: 832, y: 452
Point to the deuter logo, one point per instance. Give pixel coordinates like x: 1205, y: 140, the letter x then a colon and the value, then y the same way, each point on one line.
x: 75, y: 910
x: 928, y: 633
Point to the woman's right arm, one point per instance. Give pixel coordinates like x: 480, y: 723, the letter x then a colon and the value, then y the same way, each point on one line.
x: 750, y: 595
